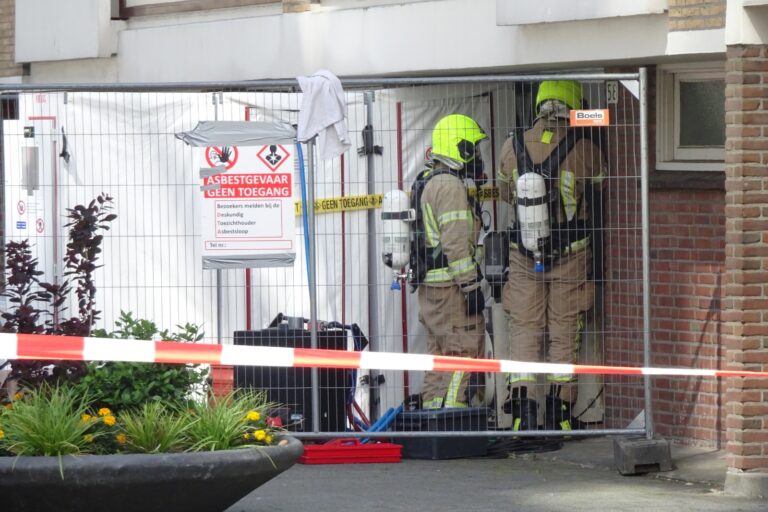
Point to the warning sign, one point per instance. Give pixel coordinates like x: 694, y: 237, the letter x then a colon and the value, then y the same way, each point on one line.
x: 221, y: 155
x: 21, y: 207
x: 273, y: 156
x: 598, y: 117
x: 248, y: 210
x: 40, y: 225
x: 241, y: 186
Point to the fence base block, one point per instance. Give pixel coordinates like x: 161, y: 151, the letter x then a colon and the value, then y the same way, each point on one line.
x: 634, y: 456
x: 746, y: 483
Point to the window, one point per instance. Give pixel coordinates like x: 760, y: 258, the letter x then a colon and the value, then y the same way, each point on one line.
x: 9, y: 109
x: 691, y: 117
x: 135, y: 8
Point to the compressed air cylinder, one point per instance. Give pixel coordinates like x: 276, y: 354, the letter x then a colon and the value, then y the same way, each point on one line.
x: 396, y: 216
x: 532, y: 210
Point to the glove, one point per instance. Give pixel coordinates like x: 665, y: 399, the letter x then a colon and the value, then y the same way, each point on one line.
x: 475, y: 302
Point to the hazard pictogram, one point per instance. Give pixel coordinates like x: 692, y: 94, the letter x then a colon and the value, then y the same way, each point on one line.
x: 40, y: 225
x: 273, y: 156
x: 221, y: 155
x: 21, y: 207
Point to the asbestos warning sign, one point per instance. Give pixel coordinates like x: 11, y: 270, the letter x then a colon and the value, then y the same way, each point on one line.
x: 273, y: 156
x: 221, y: 155
x: 248, y: 208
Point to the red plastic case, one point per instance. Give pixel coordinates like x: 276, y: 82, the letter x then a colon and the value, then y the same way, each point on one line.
x: 350, y: 451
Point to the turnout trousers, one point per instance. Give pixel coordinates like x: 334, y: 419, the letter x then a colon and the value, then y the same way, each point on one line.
x: 450, y: 332
x: 549, y: 305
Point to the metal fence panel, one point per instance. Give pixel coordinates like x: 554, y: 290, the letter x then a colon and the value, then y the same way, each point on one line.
x: 67, y: 144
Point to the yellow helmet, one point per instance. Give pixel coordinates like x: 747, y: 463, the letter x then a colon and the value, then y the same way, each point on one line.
x: 567, y: 91
x: 454, y: 139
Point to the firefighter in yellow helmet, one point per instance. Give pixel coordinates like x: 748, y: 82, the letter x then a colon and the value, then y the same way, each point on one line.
x: 443, y: 264
x: 549, y: 174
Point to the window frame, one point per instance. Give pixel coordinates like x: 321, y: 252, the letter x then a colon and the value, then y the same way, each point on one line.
x: 669, y: 155
x: 182, y: 6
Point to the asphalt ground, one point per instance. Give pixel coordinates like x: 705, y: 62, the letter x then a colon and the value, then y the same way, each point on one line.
x: 579, y: 476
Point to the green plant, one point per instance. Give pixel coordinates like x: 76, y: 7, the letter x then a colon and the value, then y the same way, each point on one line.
x: 104, y: 434
x: 230, y: 421
x: 48, y: 421
x: 121, y: 386
x: 155, y: 428
x: 58, y: 421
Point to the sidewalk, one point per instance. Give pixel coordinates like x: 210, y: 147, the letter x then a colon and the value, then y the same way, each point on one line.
x: 578, y: 477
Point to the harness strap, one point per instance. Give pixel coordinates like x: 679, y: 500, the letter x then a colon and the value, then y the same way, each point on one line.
x: 574, y: 230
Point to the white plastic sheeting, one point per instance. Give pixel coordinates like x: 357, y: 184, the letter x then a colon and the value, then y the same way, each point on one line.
x: 124, y: 144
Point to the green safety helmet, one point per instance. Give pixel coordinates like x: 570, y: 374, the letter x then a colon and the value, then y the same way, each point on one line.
x: 567, y: 91
x: 454, y: 139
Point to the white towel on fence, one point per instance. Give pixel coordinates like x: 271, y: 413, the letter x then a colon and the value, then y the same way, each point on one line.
x: 323, y: 113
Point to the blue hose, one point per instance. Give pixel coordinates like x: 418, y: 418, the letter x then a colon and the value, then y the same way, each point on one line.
x: 304, y: 209
x: 384, y: 422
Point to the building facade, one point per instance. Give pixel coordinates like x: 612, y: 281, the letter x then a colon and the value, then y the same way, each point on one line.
x: 707, y: 64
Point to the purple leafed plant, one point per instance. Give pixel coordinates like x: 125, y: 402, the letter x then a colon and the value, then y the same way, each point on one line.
x: 37, y: 306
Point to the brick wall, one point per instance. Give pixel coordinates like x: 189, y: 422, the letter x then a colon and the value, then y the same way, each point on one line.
x: 8, y: 66
x: 696, y: 14
x: 745, y: 324
x: 687, y: 237
x: 687, y: 290
x: 297, y: 5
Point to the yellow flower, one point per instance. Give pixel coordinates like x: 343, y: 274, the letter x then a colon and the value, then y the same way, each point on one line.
x: 259, y: 435
x: 18, y: 396
x: 88, y: 438
x: 86, y: 418
x: 2, y: 434
x: 253, y: 416
x: 121, y: 439
x: 104, y: 412
x: 110, y: 420
x: 246, y: 436
x: 268, y: 439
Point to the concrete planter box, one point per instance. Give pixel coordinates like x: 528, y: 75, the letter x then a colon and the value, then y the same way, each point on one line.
x: 200, y: 481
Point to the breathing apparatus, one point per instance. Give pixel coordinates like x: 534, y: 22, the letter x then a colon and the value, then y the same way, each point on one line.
x: 532, y: 203
x: 455, y: 141
x: 533, y: 200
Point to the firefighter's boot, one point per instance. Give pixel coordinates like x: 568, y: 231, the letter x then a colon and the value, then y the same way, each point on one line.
x: 557, y: 412
x: 524, y: 410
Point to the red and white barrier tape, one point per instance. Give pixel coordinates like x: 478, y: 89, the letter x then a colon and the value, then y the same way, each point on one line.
x: 73, y: 348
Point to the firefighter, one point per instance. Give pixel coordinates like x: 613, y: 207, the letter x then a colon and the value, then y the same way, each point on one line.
x: 549, y: 174
x: 446, y: 272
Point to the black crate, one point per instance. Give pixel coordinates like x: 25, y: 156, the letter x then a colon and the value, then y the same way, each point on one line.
x: 472, y: 419
x: 291, y: 388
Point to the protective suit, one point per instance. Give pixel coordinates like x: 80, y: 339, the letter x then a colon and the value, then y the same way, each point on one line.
x: 448, y: 278
x: 549, y: 290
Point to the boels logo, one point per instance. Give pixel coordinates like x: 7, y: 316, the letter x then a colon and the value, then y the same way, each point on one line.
x: 597, y: 117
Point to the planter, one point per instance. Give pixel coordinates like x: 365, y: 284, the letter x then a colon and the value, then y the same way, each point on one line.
x: 200, y: 481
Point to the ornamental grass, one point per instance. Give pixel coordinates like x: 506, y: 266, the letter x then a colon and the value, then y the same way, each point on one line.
x: 57, y: 421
